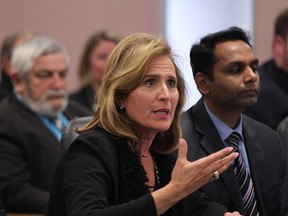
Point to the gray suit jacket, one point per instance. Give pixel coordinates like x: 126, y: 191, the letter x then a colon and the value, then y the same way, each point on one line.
x: 266, y: 157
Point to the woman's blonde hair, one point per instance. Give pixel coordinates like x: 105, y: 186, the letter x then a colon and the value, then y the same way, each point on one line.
x: 126, y: 68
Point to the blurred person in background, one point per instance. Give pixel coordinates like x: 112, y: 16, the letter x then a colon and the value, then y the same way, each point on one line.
x: 272, y: 105
x: 9, y: 43
x: 31, y: 122
x: 92, y: 65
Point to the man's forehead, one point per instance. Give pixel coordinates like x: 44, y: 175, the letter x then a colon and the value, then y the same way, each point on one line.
x: 233, y: 50
x: 54, y: 61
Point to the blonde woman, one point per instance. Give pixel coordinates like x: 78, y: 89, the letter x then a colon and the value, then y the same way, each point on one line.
x: 122, y: 162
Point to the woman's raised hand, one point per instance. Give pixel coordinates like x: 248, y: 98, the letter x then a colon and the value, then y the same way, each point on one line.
x: 188, y: 176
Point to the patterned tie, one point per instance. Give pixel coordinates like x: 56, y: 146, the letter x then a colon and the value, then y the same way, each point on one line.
x: 243, y: 178
x: 57, y: 122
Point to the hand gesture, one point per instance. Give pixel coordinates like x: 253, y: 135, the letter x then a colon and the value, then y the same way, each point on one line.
x: 188, y: 176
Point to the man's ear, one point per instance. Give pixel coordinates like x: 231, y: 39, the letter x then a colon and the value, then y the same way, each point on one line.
x: 279, y: 45
x: 5, y: 63
x: 18, y: 83
x: 202, y: 83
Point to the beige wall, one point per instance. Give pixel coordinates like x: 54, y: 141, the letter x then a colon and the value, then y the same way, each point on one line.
x: 72, y: 21
x: 265, y: 12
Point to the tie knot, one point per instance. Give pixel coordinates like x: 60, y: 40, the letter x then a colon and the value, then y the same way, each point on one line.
x: 233, y: 140
x: 57, y: 122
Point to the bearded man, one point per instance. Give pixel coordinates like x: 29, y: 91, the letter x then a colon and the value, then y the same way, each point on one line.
x: 31, y: 121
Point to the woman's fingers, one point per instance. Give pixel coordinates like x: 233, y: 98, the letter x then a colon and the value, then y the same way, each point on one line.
x: 182, y: 151
x: 222, y: 164
x: 202, y: 170
x: 220, y: 160
x: 212, y: 158
x: 235, y: 213
x: 213, y: 165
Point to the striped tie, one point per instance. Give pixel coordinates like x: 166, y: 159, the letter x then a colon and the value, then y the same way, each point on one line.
x: 243, y: 178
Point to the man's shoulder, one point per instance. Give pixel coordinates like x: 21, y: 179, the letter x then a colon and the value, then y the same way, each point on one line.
x: 265, y: 65
x: 257, y: 125
x: 9, y: 107
x: 186, y: 118
x: 97, y: 140
x: 187, y: 112
x: 192, y: 113
x: 75, y: 109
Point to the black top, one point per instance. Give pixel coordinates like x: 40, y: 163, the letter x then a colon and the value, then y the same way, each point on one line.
x: 99, y: 175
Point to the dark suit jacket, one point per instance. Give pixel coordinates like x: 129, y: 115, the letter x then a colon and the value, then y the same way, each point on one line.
x: 29, y: 153
x: 100, y: 175
x: 6, y: 87
x: 2, y: 211
x: 265, y: 154
x: 85, y: 96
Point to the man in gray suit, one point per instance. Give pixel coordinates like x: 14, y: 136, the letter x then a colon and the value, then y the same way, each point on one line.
x: 31, y: 122
x: 225, y: 71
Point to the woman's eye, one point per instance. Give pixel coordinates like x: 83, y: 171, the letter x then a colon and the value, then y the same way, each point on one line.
x: 150, y: 82
x: 171, y: 83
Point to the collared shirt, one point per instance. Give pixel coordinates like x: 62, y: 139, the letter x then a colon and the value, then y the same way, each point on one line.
x: 225, y: 131
x: 48, y: 122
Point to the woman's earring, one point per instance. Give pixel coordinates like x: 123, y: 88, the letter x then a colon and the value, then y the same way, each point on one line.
x: 122, y: 107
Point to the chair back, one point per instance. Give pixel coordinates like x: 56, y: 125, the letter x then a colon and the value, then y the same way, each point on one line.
x: 68, y: 132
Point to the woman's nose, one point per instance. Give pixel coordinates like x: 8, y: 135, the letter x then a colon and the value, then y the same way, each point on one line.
x: 164, y: 92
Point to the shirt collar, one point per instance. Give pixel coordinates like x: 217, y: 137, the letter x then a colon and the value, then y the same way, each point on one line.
x: 223, y: 129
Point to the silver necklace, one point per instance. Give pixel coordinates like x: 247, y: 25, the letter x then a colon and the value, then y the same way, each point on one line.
x: 156, y: 171
x: 157, y: 176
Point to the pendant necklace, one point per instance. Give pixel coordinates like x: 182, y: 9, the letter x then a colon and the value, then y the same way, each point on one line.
x: 157, y: 183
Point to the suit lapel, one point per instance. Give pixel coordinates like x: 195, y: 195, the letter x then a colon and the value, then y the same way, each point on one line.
x: 212, y: 142
x: 255, y: 155
x: 50, y: 140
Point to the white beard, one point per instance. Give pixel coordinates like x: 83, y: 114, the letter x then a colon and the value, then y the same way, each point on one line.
x: 43, y: 106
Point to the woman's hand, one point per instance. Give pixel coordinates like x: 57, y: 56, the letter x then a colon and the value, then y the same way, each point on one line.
x: 232, y: 214
x: 188, y: 176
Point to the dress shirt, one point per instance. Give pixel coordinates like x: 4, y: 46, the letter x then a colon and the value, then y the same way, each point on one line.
x: 225, y: 131
x: 50, y: 123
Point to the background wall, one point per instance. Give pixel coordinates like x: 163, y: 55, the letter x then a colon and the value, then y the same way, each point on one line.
x: 72, y: 21
x: 265, y: 12
x: 186, y: 23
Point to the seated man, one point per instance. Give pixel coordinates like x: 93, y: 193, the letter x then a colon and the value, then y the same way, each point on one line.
x: 225, y: 72
x: 31, y: 122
